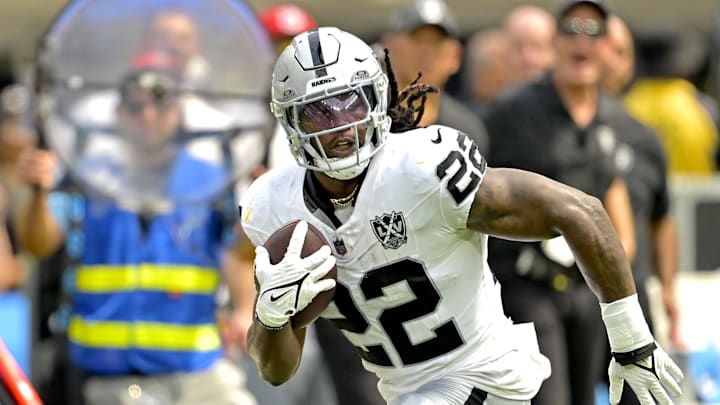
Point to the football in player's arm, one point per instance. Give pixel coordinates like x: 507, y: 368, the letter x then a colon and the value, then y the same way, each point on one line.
x: 437, y: 202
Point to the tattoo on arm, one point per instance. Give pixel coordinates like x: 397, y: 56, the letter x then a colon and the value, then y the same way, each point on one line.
x: 513, y: 204
x: 520, y: 205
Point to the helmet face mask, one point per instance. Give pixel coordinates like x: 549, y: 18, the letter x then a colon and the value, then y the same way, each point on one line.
x: 328, y: 81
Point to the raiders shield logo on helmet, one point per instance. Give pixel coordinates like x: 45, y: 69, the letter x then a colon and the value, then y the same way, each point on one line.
x: 390, y: 229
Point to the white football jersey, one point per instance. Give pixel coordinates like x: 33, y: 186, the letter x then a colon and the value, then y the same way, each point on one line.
x: 415, y: 295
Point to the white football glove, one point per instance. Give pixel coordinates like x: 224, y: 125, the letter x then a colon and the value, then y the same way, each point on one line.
x: 649, y: 378
x: 288, y: 287
x: 637, y: 359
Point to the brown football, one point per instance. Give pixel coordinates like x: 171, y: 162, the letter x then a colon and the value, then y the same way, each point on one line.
x: 276, y: 246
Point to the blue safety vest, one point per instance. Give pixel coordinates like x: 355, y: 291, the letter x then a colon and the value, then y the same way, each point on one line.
x: 144, y: 298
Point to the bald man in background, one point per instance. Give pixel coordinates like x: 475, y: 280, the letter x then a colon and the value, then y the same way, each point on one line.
x: 176, y: 33
x: 531, y: 30
x: 487, y: 72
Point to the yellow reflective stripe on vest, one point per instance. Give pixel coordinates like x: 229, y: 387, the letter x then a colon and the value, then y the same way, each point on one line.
x: 157, y: 277
x: 144, y: 335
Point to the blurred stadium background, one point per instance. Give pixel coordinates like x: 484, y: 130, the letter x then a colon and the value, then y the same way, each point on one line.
x: 24, y: 20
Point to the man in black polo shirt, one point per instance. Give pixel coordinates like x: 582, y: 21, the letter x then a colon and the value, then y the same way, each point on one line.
x: 563, y: 127
x: 643, y: 163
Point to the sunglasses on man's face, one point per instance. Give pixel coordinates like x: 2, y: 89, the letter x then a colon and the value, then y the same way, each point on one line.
x: 577, y: 26
x: 160, y: 101
x: 148, y: 88
x: 136, y: 107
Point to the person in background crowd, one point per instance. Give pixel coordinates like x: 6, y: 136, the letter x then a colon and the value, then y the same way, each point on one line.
x: 422, y: 38
x: 175, y: 33
x: 12, y: 269
x: 531, y: 30
x: 562, y: 126
x: 16, y: 310
x: 143, y: 301
x: 14, y: 138
x: 487, y: 72
x: 642, y: 161
x: 663, y: 98
x: 618, y: 58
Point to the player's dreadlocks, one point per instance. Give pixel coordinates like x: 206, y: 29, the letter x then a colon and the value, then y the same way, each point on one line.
x: 407, y: 116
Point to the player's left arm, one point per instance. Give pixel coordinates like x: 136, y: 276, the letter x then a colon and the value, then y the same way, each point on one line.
x: 521, y: 205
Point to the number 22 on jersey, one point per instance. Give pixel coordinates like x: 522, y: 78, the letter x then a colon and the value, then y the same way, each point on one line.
x: 466, y: 167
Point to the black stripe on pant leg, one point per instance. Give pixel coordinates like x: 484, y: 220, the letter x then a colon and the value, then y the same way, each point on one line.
x: 477, y: 397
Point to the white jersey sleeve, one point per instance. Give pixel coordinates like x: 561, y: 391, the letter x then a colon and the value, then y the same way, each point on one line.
x: 257, y: 204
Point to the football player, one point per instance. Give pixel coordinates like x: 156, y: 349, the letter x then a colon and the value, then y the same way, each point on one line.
x: 408, y: 211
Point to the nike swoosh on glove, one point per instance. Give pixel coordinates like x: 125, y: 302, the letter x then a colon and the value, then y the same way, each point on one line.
x: 288, y: 287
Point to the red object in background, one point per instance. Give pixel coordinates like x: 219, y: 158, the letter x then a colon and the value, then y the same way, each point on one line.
x: 15, y: 380
x: 286, y: 20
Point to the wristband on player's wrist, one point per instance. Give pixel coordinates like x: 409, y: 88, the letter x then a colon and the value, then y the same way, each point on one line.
x: 636, y: 355
x: 268, y: 327
x: 627, y: 330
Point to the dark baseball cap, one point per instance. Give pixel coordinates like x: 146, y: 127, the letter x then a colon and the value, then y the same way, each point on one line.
x: 424, y: 12
x: 600, y: 5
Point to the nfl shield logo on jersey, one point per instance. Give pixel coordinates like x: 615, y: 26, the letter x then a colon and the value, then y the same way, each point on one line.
x: 340, y: 246
x: 390, y: 229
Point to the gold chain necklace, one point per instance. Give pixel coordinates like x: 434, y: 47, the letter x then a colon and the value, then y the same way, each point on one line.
x: 345, y: 202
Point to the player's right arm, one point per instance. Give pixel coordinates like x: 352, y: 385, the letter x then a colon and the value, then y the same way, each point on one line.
x: 37, y: 230
x: 272, y: 343
x: 276, y: 353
